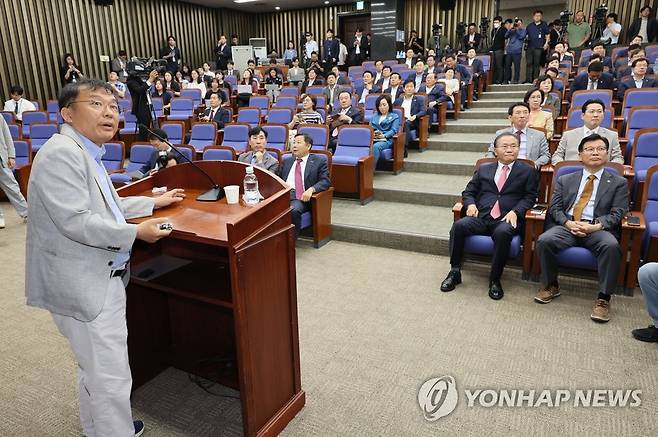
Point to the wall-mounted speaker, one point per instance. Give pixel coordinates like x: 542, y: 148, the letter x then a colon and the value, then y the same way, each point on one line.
x: 104, y: 2
x: 447, y: 5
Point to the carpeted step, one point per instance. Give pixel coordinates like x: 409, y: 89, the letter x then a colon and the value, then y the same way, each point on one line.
x: 420, y: 188
x: 476, y: 125
x: 496, y: 103
x: 416, y: 228
x: 503, y: 95
x: 456, y: 163
x: 473, y: 142
x: 514, y: 87
x: 484, y: 113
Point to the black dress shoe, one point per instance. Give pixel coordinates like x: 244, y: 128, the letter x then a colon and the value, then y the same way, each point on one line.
x: 649, y: 334
x: 453, y: 279
x: 496, y: 290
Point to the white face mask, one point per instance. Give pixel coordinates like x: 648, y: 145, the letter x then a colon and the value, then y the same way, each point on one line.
x: 496, y: 25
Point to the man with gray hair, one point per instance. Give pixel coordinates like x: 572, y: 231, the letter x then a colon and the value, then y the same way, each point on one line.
x: 495, y: 202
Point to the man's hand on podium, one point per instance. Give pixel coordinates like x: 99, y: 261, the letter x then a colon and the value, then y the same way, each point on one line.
x: 150, y: 231
x: 171, y: 196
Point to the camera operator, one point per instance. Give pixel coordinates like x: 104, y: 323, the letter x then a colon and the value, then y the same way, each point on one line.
x: 472, y: 39
x: 415, y: 43
x: 612, y: 30
x: 498, y: 48
x: 162, y: 157
x: 139, y: 92
x: 515, y: 36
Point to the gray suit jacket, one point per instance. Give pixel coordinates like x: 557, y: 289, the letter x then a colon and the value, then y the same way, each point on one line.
x: 610, y: 204
x: 567, y: 150
x: 6, y: 144
x: 72, y: 235
x: 269, y: 162
x: 536, y: 146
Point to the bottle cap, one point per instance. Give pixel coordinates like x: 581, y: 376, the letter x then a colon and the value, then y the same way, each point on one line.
x: 250, y: 170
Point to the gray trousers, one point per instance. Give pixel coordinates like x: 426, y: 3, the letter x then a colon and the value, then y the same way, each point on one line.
x: 648, y: 279
x: 9, y: 185
x: 602, y: 244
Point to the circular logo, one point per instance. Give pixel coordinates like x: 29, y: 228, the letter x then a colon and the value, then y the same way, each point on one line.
x: 437, y: 397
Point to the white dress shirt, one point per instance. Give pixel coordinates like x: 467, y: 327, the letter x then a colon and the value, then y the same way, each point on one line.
x: 23, y: 105
x: 310, y: 47
x: 406, y: 105
x: 588, y: 212
x: 638, y: 81
x: 499, y: 170
x: 385, y: 83
x: 587, y: 132
x: 290, y: 180
x: 358, y: 46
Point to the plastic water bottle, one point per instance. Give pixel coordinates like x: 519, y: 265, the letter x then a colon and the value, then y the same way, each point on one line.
x: 251, y: 193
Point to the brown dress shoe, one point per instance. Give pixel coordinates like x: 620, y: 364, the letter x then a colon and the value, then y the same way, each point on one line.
x: 547, y: 294
x: 601, y: 311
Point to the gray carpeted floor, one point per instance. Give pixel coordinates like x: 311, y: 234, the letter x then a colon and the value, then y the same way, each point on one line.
x: 373, y: 328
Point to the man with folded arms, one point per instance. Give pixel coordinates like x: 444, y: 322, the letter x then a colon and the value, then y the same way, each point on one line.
x: 586, y: 210
x: 496, y: 200
x: 593, y: 112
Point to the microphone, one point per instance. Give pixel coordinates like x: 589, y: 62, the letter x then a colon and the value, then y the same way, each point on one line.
x: 212, y: 195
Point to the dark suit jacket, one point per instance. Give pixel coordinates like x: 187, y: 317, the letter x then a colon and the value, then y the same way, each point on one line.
x: 437, y: 94
x: 222, y: 55
x: 317, y: 82
x: 355, y: 114
x: 652, y: 28
x: 413, y: 75
x: 417, y: 108
x: 330, y: 46
x: 478, y: 68
x: 398, y: 92
x: 498, y: 38
x: 518, y: 194
x: 375, y: 89
x: 316, y: 173
x: 630, y: 84
x: 606, y: 81
x: 140, y: 108
x: 467, y: 44
x: 463, y: 72
x: 222, y: 116
x: 171, y: 65
x: 610, y: 204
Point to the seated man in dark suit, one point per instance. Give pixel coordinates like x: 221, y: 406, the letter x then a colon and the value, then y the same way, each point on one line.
x: 638, y: 78
x: 435, y: 94
x: 496, y: 200
x: 594, y: 79
x: 395, y: 88
x: 257, y: 154
x: 464, y: 76
x: 344, y: 114
x: 413, y: 109
x: 162, y: 157
x: 418, y: 76
x: 586, y: 210
x: 384, y: 82
x: 599, y: 49
x: 478, y: 69
x: 216, y: 112
x: 306, y: 174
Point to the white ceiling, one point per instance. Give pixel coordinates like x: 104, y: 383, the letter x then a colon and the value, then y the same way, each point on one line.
x: 266, y: 5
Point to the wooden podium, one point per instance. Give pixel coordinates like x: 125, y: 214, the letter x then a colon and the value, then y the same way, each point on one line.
x: 218, y: 297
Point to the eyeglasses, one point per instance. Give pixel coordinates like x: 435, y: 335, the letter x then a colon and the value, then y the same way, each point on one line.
x: 595, y: 149
x: 99, y: 106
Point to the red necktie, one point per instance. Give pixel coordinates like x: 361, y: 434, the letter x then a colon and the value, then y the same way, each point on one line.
x: 299, y: 181
x: 500, y: 183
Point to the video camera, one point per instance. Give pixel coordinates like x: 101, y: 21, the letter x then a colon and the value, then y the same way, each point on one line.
x: 601, y: 12
x: 461, y: 28
x: 142, y: 67
x: 564, y: 17
x: 436, y: 29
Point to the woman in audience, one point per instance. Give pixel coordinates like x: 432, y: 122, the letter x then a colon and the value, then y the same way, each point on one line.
x: 171, y: 85
x: 69, y: 70
x: 450, y: 83
x: 308, y: 114
x: 386, y: 124
x: 273, y: 79
x: 181, y: 80
x: 312, y: 80
x: 207, y: 75
x: 187, y: 75
x: 214, y: 88
x: 247, y: 79
x: 296, y: 74
x: 219, y: 75
x: 539, y: 117
x: 290, y: 53
x: 554, y: 62
x: 197, y: 83
x: 551, y: 101
x: 160, y: 90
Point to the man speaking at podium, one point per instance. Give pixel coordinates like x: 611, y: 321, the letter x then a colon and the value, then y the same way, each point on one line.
x: 78, y: 250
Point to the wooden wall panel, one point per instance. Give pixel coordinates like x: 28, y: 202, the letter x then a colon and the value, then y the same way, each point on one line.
x: 627, y: 10
x: 422, y: 14
x: 279, y: 27
x: 36, y: 33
